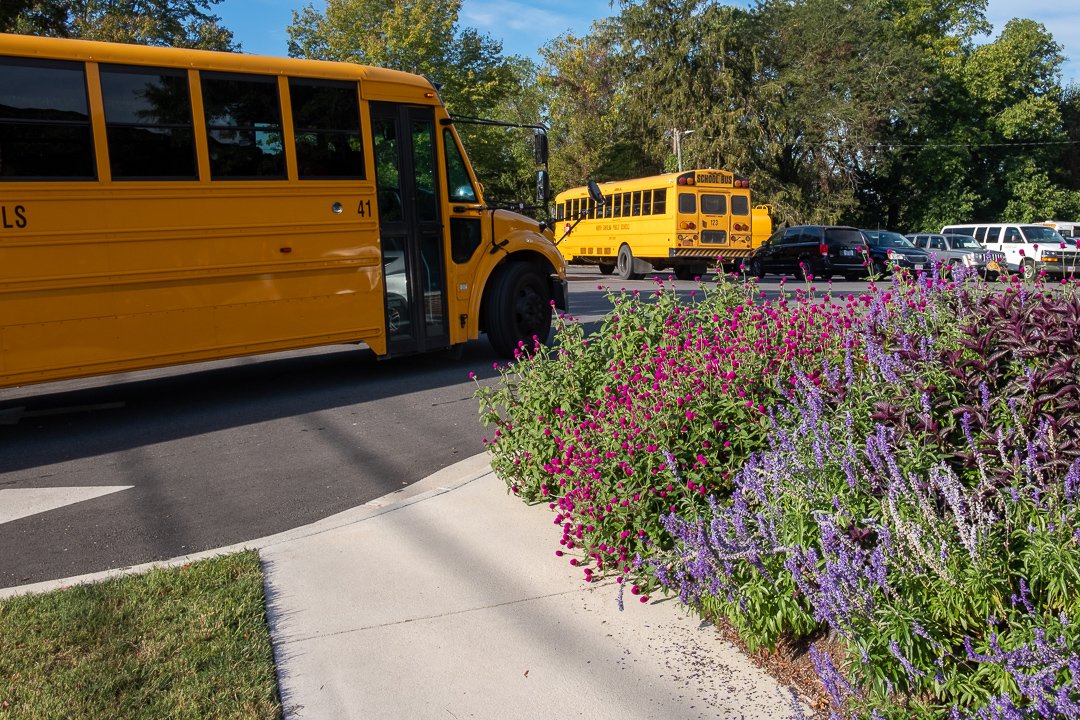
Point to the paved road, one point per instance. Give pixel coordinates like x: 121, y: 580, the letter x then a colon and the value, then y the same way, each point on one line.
x: 202, y: 456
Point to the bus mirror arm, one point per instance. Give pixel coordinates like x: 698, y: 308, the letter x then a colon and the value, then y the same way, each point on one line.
x: 581, y: 216
x: 598, y: 197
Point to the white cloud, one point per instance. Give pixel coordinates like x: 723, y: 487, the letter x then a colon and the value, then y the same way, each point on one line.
x: 525, y: 26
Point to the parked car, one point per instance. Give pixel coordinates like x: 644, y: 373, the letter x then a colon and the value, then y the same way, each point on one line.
x: 891, y: 249
x: 1028, y: 249
x: 954, y: 250
x: 823, y: 250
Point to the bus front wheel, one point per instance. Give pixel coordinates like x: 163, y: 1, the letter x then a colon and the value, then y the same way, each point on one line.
x: 625, y: 264
x: 518, y: 309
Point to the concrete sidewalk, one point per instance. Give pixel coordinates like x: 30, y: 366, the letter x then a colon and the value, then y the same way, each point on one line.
x: 445, y: 600
x: 449, y: 602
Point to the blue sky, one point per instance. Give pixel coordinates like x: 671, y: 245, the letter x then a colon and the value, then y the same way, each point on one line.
x: 525, y: 25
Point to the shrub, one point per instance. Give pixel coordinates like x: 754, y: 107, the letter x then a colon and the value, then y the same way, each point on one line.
x: 899, y: 471
x: 920, y: 504
x: 653, y: 413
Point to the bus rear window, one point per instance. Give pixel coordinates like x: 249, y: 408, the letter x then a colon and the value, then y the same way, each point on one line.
x: 687, y: 203
x: 712, y: 204
x: 740, y: 205
x: 44, y: 121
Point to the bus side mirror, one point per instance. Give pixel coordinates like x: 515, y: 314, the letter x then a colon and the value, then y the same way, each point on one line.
x: 540, y: 147
x: 596, y: 194
x: 543, y: 187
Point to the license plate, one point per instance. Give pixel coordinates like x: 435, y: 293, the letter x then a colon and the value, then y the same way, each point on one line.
x: 918, y: 266
x: 993, y: 266
x: 1070, y: 268
x: 847, y: 253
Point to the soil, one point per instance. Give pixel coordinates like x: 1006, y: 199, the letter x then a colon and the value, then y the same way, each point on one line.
x: 789, y: 664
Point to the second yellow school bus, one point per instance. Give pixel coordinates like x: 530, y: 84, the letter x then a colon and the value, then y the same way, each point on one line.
x: 684, y: 221
x: 161, y: 206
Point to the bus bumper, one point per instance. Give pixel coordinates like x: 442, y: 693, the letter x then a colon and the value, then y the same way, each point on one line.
x: 560, y: 293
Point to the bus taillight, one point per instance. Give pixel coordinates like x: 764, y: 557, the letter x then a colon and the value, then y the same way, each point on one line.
x: 741, y: 227
x: 686, y: 225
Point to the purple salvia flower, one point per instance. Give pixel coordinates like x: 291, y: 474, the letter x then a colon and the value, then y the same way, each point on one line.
x: 912, y: 671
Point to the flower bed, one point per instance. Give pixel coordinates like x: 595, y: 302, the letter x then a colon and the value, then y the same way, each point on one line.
x: 897, y: 471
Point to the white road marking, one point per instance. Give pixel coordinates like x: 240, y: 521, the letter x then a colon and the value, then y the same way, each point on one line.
x: 17, y: 503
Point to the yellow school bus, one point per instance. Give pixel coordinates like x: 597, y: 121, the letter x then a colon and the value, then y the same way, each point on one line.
x: 684, y: 221
x: 162, y: 206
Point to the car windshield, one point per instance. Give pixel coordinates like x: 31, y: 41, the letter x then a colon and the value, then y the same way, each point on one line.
x: 964, y: 242
x: 884, y: 238
x: 1040, y: 233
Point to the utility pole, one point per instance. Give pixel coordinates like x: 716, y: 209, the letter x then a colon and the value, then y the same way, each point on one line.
x: 677, y: 136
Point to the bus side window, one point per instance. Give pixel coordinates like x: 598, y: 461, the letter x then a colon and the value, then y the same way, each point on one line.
x: 148, y: 122
x: 45, y: 121
x: 243, y: 126
x: 646, y: 202
x: 592, y: 208
x: 635, y: 209
x: 575, y: 207
x: 326, y: 127
x: 659, y: 201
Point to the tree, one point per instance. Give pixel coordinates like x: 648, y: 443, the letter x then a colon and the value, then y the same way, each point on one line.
x: 176, y: 23
x: 585, y: 95
x: 419, y: 36
x: 474, y: 78
x: 33, y: 17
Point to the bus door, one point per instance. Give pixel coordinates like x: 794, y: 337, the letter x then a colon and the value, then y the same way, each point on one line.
x: 410, y: 227
x: 715, y: 218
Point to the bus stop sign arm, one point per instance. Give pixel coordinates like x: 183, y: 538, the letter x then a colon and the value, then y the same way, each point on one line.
x: 598, y: 197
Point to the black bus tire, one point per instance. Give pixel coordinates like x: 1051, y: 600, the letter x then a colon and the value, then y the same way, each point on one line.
x: 606, y: 268
x: 517, y: 309
x: 624, y: 266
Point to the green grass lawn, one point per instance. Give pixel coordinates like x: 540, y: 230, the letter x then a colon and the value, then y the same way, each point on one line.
x: 186, y: 642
